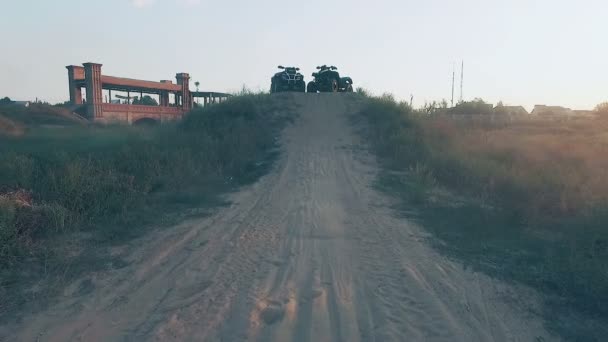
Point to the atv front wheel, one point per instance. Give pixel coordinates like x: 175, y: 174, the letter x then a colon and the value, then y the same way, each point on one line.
x: 349, y: 88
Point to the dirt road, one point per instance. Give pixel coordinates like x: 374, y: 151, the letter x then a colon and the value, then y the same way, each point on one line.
x: 311, y: 252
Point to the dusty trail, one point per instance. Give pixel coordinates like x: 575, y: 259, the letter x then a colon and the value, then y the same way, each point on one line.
x: 311, y: 252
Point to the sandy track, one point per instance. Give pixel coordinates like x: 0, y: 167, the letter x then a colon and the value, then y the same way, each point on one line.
x: 311, y: 252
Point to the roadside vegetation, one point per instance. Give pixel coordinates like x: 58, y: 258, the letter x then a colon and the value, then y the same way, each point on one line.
x: 14, y: 119
x: 72, y: 186
x: 524, y: 200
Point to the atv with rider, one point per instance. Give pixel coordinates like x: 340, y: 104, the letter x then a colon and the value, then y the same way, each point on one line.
x: 327, y: 79
x: 289, y: 79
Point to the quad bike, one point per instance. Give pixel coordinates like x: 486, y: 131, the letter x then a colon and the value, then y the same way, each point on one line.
x: 328, y: 80
x: 289, y: 79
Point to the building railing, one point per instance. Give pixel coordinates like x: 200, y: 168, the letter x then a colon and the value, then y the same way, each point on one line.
x: 114, y: 107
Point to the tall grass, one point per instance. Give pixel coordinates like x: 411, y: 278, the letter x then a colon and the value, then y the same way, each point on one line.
x: 110, y: 179
x: 524, y: 200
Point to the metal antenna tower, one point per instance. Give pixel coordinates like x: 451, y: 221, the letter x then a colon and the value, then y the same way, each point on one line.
x: 453, y: 76
x: 461, y: 80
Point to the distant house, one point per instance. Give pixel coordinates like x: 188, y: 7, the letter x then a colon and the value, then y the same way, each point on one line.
x: 552, y: 111
x: 510, y: 110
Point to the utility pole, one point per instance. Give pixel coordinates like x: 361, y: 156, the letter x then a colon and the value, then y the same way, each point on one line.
x: 461, y: 80
x: 453, y: 76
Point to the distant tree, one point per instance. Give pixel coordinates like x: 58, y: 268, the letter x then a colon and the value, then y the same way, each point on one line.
x: 62, y: 104
x: 500, y: 108
x: 430, y: 107
x: 147, y: 100
x: 477, y: 106
x: 5, y: 101
x: 602, y: 109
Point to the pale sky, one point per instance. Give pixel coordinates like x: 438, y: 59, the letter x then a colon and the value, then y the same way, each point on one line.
x: 520, y: 51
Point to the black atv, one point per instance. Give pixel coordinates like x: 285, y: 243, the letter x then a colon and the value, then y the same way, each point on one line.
x: 287, y: 80
x: 328, y: 80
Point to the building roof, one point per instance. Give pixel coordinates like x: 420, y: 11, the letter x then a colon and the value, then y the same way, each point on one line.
x: 516, y: 108
x: 550, y: 107
x: 124, y: 84
x: 555, y: 110
x: 510, y: 110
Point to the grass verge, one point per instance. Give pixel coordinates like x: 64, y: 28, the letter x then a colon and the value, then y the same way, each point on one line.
x: 530, y: 203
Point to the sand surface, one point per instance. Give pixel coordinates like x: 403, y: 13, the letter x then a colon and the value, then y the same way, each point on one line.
x: 311, y: 252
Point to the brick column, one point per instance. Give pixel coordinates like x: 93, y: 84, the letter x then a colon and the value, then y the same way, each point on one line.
x: 164, y: 95
x: 183, y: 79
x: 92, y: 74
x: 74, y: 72
x: 163, y: 99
